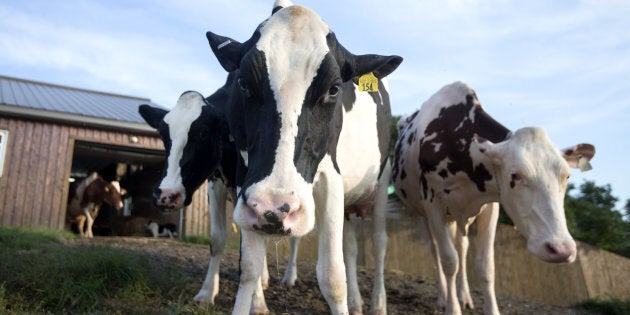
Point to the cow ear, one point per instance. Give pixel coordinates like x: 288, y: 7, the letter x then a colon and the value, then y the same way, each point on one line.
x: 352, y: 66
x: 579, y: 156
x: 227, y: 50
x: 280, y: 4
x: 152, y: 115
x: 381, y: 66
x: 488, y: 148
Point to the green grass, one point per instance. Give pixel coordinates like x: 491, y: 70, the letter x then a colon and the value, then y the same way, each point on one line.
x: 196, y: 240
x: 203, y: 240
x: 609, y: 307
x: 12, y: 238
x: 37, y: 275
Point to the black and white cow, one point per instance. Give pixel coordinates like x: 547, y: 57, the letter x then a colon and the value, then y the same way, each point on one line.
x: 313, y: 144
x: 453, y: 162
x: 198, y: 147
x: 161, y: 230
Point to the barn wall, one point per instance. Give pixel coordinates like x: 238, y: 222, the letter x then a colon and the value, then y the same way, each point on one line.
x: 34, y: 186
x: 196, y: 217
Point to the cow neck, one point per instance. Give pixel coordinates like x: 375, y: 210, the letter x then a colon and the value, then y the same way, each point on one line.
x: 84, y: 185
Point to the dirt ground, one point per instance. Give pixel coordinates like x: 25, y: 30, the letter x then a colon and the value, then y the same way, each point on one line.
x: 406, y: 294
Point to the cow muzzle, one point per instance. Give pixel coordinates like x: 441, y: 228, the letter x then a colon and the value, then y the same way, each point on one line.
x: 277, y: 216
x: 168, y: 199
x: 556, y: 251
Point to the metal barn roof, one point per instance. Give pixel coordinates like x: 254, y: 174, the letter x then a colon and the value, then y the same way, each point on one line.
x: 47, y: 101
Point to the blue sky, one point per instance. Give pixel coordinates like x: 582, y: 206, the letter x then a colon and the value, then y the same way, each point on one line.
x: 560, y: 65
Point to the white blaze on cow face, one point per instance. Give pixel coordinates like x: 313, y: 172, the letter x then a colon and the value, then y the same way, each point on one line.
x: 179, y: 120
x: 294, y: 45
x: 532, y: 178
x: 119, y: 203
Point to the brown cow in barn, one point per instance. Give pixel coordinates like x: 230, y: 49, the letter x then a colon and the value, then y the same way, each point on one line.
x: 86, y: 199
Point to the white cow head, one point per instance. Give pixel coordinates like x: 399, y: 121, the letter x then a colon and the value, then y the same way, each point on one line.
x: 531, y: 175
x: 287, y: 102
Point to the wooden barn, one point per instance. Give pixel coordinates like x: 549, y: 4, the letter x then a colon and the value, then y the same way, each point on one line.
x: 51, y: 135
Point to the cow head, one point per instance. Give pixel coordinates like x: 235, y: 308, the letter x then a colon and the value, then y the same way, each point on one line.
x: 192, y: 133
x: 114, y: 195
x: 287, y: 97
x: 531, y: 176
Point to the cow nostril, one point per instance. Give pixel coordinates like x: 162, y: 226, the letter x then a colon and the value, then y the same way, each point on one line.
x: 551, y: 249
x: 285, y: 208
x: 271, y: 217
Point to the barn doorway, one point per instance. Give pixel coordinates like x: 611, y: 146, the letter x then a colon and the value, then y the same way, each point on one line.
x: 137, y: 170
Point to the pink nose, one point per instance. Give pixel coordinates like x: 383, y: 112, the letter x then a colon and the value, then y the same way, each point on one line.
x: 559, y: 252
x: 167, y: 198
x: 273, y: 216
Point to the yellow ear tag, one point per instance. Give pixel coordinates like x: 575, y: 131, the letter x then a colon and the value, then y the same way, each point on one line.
x: 368, y: 83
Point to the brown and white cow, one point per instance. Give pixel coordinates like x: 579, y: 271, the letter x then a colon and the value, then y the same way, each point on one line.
x: 86, y: 199
x: 452, y: 158
x: 298, y: 121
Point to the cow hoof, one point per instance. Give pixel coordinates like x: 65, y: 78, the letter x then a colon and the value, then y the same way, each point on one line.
x: 289, y: 281
x: 379, y: 312
x: 354, y: 311
x: 202, y: 299
x: 468, y: 305
x: 259, y: 310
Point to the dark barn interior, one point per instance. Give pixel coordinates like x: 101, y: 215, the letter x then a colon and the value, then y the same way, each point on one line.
x: 138, y: 171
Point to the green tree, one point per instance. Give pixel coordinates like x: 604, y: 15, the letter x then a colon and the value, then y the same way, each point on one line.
x: 592, y: 219
x: 394, y: 136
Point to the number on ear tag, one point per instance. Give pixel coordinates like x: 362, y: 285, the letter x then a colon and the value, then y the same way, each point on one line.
x: 368, y: 83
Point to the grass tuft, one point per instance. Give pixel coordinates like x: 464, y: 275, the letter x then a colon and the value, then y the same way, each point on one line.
x: 196, y: 240
x: 612, y: 306
x: 18, y: 238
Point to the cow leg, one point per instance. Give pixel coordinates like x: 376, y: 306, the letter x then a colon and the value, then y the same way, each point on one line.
x: 88, y: 229
x: 379, y: 296
x: 264, y: 276
x: 331, y: 270
x: 486, y: 231
x: 290, y: 274
x: 350, y: 251
x: 81, y: 225
x: 448, y: 256
x: 259, y: 306
x: 438, y: 265
x: 90, y: 220
x: 252, y: 253
x: 463, y: 290
x: 217, y: 194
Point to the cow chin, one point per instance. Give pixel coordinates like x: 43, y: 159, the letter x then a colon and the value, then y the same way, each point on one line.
x: 169, y: 200
x: 297, y: 223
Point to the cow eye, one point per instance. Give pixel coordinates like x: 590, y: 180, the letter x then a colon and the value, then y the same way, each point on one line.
x: 244, y: 87
x: 334, y: 90
x: 516, y: 176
